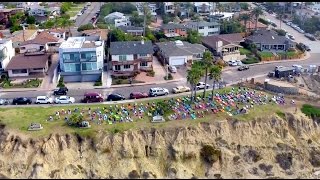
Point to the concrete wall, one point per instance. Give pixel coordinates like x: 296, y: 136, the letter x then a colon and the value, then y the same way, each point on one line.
x: 281, y: 89
x: 31, y: 47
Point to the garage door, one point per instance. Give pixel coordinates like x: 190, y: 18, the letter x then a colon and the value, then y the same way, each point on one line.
x: 177, y: 61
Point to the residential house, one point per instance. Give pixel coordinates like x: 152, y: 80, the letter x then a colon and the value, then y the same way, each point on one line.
x: 135, y: 31
x: 269, y: 40
x: 81, y: 59
x: 117, y: 19
x: 128, y: 57
x: 225, y: 46
x: 6, y: 13
x: 28, y: 64
x: 174, y: 30
x: 219, y: 16
x: 251, y: 25
x: 38, y: 11
x: 152, y: 7
x: 42, y: 42
x: 101, y: 34
x: 314, y: 7
x: 58, y: 33
x: 168, y: 7
x: 178, y: 53
x: 20, y: 36
x: 204, y: 28
x: 203, y: 7
x: 303, y: 14
x: 6, y: 53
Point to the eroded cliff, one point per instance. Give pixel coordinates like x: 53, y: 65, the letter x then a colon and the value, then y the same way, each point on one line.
x: 261, y: 148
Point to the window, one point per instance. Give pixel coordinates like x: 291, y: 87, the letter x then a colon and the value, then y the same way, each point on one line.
x: 117, y: 67
x: 143, y: 55
x: 211, y: 32
x: 211, y: 27
x: 66, y: 56
x: 201, y: 27
x: 122, y: 57
x: 144, y: 64
x: 127, y: 66
x: 71, y: 67
x: 183, y: 30
x: 89, y: 66
x: 22, y: 48
x: 38, y: 69
x: 171, y: 30
x: 19, y: 71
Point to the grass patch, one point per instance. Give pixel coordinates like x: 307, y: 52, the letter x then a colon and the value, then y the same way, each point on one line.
x: 244, y: 51
x: 281, y: 114
x: 250, y: 60
x: 311, y: 111
x: 265, y: 54
x: 125, y: 81
x: 288, y: 54
x: 19, y: 118
x: 30, y: 83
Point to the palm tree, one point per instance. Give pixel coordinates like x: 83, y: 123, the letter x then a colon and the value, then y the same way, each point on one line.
x: 256, y: 12
x: 245, y: 18
x: 215, y: 74
x: 193, y: 77
x: 66, y: 23
x: 207, y: 63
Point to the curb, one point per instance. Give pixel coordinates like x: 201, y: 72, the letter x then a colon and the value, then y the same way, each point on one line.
x: 142, y: 84
x: 20, y: 90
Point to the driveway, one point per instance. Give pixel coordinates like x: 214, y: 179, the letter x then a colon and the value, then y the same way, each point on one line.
x: 159, y: 73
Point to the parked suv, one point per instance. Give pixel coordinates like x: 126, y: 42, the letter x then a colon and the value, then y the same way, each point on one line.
x: 60, y: 91
x: 92, y: 97
x: 44, y: 100
x: 158, y: 91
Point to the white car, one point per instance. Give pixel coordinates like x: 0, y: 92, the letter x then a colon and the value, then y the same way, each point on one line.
x: 172, y: 69
x: 64, y: 100
x: 79, y: 14
x: 202, y: 85
x: 44, y: 100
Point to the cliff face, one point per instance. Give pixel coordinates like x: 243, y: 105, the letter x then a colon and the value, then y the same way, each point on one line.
x: 261, y: 148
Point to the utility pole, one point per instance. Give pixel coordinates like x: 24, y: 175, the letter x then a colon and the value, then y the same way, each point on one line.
x: 144, y: 18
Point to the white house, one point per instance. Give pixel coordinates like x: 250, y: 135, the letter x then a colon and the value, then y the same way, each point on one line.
x: 37, y: 11
x: 217, y: 16
x: 168, y: 7
x: 6, y: 53
x: 81, y: 59
x: 315, y: 7
x: 58, y: 33
x: 179, y: 53
x: 204, y: 28
x: 203, y: 7
x: 118, y: 19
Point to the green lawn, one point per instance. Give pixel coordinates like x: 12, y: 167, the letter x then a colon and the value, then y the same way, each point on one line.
x: 19, y: 118
x: 265, y: 54
x: 288, y: 54
x: 75, y: 9
x: 244, y: 51
x: 250, y: 60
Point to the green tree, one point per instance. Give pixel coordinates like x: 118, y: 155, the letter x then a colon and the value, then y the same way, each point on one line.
x: 31, y: 20
x: 193, y: 77
x: 256, y: 12
x: 244, y: 6
x: 193, y: 37
x: 189, y: 8
x: 65, y: 6
x: 66, y: 23
x: 61, y: 82
x: 215, y: 74
x: 245, y: 18
x: 231, y: 26
x: 207, y: 62
x: 85, y: 27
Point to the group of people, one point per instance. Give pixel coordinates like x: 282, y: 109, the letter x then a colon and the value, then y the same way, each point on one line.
x: 237, y: 101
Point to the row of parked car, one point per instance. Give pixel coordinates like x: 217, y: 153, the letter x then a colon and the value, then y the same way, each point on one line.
x: 92, y: 97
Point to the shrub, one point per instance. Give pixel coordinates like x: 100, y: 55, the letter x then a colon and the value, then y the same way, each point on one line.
x: 280, y: 32
x: 209, y: 154
x: 310, y: 111
x: 281, y: 114
x: 118, y: 81
x: 263, y: 21
x: 85, y: 27
x: 75, y: 120
x: 151, y: 73
x: 61, y: 82
x: 300, y: 47
x: 98, y: 82
x: 170, y: 77
x: 250, y: 60
x: 102, y: 26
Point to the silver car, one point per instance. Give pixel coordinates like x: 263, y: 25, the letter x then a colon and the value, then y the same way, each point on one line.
x: 172, y: 69
x: 4, y: 102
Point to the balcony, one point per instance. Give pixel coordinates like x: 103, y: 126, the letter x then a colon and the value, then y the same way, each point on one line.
x: 71, y: 60
x: 94, y: 58
x: 91, y: 72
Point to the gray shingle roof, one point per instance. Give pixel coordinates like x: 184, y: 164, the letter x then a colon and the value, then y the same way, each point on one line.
x: 172, y: 26
x: 193, y: 24
x: 268, y: 37
x: 171, y: 49
x: 131, y: 47
x: 130, y: 28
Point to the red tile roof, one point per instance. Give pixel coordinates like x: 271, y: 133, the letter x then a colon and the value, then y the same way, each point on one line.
x: 41, y: 38
x: 22, y: 61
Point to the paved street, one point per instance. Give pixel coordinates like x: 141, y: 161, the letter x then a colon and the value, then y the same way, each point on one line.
x: 88, y: 14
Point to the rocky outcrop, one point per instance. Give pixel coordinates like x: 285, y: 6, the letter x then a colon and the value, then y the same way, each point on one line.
x: 261, y: 148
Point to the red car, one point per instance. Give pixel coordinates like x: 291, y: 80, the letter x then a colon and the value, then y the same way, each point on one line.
x: 138, y: 95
